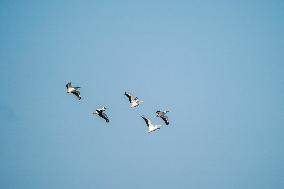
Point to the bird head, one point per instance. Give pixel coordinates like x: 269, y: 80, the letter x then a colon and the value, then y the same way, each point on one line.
x: 157, y: 112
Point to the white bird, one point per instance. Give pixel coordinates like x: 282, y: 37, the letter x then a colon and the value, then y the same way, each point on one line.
x: 151, y: 127
x: 162, y: 114
x: 134, y: 101
x: 100, y: 112
x: 73, y: 90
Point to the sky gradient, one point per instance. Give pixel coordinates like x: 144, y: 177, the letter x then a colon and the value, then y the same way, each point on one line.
x: 218, y: 66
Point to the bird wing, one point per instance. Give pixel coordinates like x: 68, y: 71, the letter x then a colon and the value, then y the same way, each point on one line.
x: 103, y: 115
x: 77, y: 94
x: 148, y: 122
x: 68, y: 85
x: 166, y: 119
x: 130, y: 97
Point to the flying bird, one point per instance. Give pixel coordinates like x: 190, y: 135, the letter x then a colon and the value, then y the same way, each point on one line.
x: 73, y: 90
x: 162, y: 114
x: 100, y: 112
x: 134, y: 101
x: 151, y: 127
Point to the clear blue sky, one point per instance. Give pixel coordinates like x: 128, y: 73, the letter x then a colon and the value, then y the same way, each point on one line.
x: 217, y: 65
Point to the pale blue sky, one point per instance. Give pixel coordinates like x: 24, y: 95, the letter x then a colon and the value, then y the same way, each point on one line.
x: 217, y: 65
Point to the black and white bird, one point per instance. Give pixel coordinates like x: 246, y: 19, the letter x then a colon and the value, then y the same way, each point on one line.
x: 73, y: 90
x: 134, y: 101
x: 151, y: 127
x: 100, y: 112
x: 162, y: 114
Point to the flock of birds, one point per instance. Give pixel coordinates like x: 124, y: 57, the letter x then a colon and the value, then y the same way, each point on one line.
x: 134, y: 102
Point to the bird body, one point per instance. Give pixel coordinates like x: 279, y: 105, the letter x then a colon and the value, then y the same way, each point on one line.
x: 73, y: 90
x: 151, y: 127
x: 134, y: 101
x: 100, y: 113
x: 162, y: 114
x: 134, y: 104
